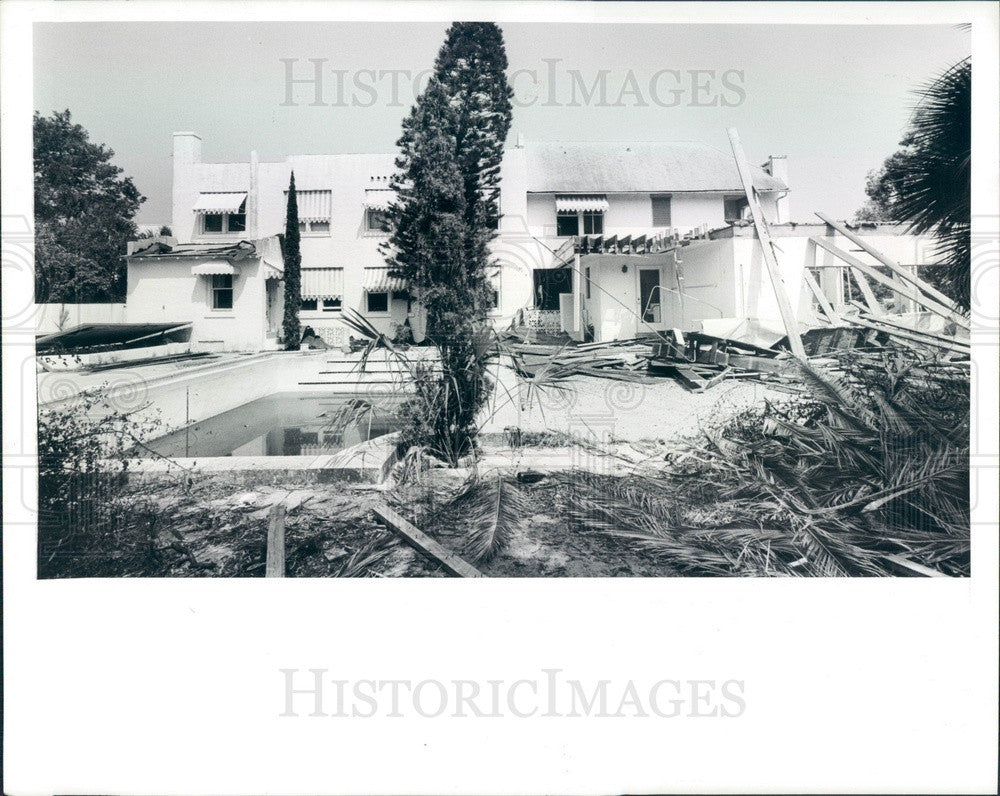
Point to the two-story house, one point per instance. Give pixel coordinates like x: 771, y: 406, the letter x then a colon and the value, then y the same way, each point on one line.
x: 555, y: 198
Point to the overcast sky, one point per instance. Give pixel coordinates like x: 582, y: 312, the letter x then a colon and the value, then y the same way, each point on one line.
x: 836, y: 100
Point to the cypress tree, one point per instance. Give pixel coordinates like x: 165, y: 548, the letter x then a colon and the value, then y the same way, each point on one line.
x: 293, y: 273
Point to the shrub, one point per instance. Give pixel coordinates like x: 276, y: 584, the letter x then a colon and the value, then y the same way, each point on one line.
x: 90, y: 524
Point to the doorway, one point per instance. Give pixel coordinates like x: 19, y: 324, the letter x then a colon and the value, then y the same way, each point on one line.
x: 650, y: 295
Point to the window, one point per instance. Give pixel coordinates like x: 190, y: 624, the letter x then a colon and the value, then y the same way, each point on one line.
x: 222, y: 291
x: 570, y: 224
x: 567, y: 224
x: 593, y: 223
x: 378, y: 302
x: 314, y: 227
x: 735, y: 208
x: 326, y: 305
x: 221, y: 223
x: 587, y: 277
x: 376, y: 220
x: 661, y: 211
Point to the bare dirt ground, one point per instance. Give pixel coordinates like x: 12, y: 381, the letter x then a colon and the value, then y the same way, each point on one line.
x: 218, y: 528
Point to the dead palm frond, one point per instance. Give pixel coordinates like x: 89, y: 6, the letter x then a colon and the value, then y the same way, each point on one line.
x: 485, y: 510
x: 360, y: 563
x: 878, y: 475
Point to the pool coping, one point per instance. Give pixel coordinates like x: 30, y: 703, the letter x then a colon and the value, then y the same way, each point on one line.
x: 368, y: 461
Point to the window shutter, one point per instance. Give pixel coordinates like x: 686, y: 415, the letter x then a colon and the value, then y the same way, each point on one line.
x: 661, y: 211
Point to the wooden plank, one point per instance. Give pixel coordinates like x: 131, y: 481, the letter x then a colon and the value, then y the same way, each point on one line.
x: 880, y: 327
x: 758, y: 364
x: 888, y: 262
x: 764, y: 236
x: 424, y: 544
x: 690, y: 378
x: 824, y: 303
x: 275, y: 565
x: 866, y: 291
x: 911, y: 293
x: 943, y: 338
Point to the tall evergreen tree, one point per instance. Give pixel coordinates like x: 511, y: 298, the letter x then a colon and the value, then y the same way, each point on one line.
x: 429, y: 227
x: 293, y: 272
x: 472, y: 68
x: 445, y: 214
x: 429, y: 248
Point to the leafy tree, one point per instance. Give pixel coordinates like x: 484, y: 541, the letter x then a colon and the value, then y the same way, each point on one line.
x: 293, y: 271
x: 883, y: 185
x: 84, y: 211
x: 927, y: 183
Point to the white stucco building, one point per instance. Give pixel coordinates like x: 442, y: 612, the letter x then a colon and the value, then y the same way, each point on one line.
x: 551, y: 194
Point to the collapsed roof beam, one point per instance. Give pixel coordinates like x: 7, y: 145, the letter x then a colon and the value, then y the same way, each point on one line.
x: 764, y: 236
x: 896, y: 269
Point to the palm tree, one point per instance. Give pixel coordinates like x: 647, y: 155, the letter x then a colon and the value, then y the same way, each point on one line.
x: 934, y: 177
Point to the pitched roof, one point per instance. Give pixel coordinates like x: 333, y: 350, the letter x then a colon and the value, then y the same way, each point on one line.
x: 611, y: 167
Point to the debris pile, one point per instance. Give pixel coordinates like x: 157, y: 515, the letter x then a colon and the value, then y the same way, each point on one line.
x: 623, y: 360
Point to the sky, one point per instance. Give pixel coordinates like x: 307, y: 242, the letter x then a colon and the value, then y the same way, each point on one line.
x: 834, y: 99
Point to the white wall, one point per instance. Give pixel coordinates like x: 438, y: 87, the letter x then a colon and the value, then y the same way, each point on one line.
x: 349, y: 246
x: 163, y: 290
x: 52, y: 318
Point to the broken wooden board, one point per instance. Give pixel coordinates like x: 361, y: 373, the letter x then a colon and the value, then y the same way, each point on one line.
x: 764, y: 238
x: 824, y: 303
x: 956, y: 347
x: 275, y: 562
x: 912, y: 293
x: 424, y: 544
x: 888, y: 262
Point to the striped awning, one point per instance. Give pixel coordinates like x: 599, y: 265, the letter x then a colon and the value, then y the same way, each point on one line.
x: 581, y: 203
x: 272, y: 271
x: 213, y: 267
x: 313, y: 205
x: 377, y: 280
x: 378, y: 198
x: 220, y: 202
x: 322, y: 283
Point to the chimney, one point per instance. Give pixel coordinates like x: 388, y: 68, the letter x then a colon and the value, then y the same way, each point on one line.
x: 777, y: 167
x: 187, y: 154
x: 520, y: 140
x: 187, y: 148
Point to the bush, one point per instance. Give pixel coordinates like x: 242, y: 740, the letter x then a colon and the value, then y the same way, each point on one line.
x: 90, y: 524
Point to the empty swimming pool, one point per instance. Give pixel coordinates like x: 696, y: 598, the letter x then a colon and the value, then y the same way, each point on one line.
x: 284, y: 424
